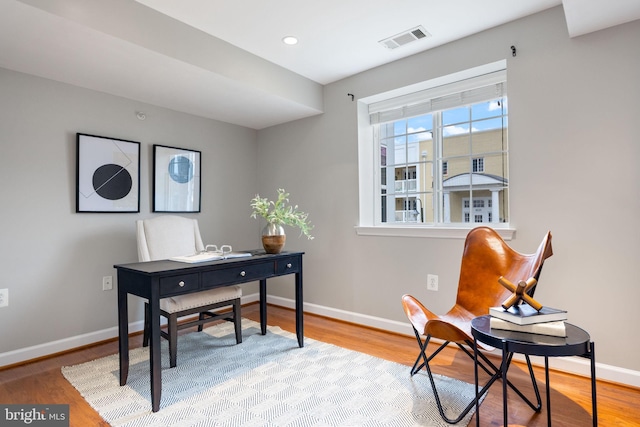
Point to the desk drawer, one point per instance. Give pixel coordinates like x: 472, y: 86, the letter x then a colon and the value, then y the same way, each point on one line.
x: 242, y: 274
x: 178, y: 284
x: 288, y: 265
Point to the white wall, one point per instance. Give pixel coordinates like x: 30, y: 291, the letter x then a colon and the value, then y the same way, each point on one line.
x: 53, y: 259
x: 574, y: 148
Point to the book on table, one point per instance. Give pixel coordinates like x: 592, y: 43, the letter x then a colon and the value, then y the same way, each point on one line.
x: 209, y: 256
x: 524, y: 314
x: 555, y: 329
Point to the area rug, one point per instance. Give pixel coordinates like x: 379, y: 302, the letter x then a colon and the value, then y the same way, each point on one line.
x: 265, y: 381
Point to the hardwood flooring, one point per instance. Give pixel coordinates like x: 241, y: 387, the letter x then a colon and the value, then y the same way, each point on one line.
x: 40, y: 382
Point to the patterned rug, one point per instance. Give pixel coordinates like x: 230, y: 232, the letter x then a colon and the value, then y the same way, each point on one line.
x: 265, y: 381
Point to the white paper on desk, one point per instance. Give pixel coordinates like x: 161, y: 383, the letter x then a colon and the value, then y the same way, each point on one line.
x: 199, y: 257
x: 208, y: 256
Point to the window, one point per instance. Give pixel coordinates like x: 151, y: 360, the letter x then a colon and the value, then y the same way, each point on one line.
x: 478, y: 165
x: 440, y: 155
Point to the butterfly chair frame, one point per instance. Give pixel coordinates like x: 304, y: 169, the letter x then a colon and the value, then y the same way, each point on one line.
x: 486, y: 257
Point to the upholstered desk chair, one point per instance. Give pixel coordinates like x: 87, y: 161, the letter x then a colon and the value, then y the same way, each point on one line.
x: 166, y: 236
x: 485, y: 258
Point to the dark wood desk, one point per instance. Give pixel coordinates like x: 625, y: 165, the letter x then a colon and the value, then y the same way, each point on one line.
x: 576, y: 343
x: 159, y: 279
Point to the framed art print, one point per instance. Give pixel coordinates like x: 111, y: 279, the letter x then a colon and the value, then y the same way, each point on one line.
x: 107, y: 174
x: 176, y: 179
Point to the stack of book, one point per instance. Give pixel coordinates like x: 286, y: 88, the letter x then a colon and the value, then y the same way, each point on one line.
x: 524, y: 318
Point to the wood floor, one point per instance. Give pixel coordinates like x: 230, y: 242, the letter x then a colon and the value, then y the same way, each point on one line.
x: 41, y: 382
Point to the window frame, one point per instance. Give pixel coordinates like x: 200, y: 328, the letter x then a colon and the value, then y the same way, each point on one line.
x: 369, y: 161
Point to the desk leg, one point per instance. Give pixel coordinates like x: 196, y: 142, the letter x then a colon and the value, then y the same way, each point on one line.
x: 155, y: 365
x: 263, y: 306
x: 593, y: 385
x: 123, y: 333
x: 299, y: 308
x: 503, y: 367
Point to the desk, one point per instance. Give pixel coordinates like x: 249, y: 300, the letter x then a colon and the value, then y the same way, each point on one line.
x: 154, y: 280
x: 577, y: 343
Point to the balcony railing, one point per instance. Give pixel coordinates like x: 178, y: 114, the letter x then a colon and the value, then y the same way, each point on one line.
x: 406, y: 186
x: 407, y: 216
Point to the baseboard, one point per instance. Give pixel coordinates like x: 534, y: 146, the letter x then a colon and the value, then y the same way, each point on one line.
x: 50, y: 348
x: 53, y: 347
x: 574, y: 365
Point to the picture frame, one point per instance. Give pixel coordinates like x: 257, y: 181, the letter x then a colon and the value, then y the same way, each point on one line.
x: 107, y: 174
x: 176, y: 179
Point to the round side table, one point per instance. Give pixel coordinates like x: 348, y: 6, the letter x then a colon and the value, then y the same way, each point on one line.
x: 576, y: 343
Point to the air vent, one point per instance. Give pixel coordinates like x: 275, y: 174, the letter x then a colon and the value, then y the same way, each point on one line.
x: 405, y: 37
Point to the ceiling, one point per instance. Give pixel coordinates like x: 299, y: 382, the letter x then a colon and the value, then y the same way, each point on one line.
x: 225, y: 60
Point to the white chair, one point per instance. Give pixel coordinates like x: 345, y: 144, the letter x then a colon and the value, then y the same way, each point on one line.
x: 167, y: 236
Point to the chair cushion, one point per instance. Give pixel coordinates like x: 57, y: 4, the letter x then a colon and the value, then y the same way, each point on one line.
x: 198, y: 299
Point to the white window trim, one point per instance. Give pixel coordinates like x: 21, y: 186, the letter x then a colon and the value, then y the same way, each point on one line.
x: 453, y: 231
x: 367, y: 171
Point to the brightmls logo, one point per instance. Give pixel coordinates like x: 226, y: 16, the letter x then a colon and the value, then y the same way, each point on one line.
x: 34, y: 415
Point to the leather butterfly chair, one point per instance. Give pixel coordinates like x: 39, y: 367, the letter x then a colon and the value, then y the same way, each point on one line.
x: 485, y: 258
x: 166, y: 236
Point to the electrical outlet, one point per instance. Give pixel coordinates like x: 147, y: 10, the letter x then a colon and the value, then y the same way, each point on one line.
x: 107, y: 283
x: 432, y: 282
x: 4, y: 297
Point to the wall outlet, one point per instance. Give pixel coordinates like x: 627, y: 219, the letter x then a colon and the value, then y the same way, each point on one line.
x: 4, y: 297
x: 107, y: 283
x: 432, y: 282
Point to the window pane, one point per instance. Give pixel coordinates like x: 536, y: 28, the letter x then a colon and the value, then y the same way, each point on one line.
x: 420, y: 136
x: 496, y: 107
x: 487, y: 124
x: 458, y: 206
x: 459, y: 129
x: 386, y: 130
x: 489, y: 141
x: 400, y: 127
x: 420, y: 123
x: 496, y: 166
x: 400, y: 150
x: 456, y: 115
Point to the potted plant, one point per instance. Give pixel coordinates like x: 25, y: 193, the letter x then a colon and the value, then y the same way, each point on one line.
x: 278, y: 213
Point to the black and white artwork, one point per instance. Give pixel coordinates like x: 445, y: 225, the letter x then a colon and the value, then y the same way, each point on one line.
x: 176, y: 179
x: 107, y: 174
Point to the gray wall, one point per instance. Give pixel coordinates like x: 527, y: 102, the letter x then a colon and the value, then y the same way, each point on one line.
x: 52, y: 258
x: 574, y: 149
x: 574, y: 105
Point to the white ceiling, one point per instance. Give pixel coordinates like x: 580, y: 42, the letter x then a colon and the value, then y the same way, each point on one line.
x: 225, y: 59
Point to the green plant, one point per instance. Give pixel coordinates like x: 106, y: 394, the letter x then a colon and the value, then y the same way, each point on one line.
x: 281, y: 213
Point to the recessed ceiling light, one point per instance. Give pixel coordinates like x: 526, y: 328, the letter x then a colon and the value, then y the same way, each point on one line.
x: 290, y: 40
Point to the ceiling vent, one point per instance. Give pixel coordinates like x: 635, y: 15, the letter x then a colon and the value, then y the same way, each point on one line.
x: 405, y: 37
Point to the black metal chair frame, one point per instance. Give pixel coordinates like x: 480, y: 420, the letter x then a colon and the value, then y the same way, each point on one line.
x: 205, y: 316
x: 496, y: 374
